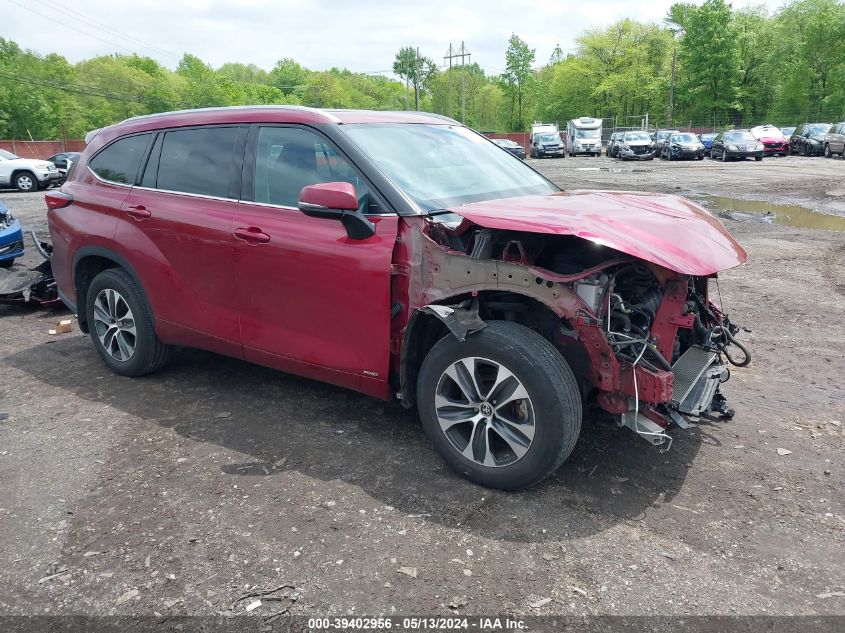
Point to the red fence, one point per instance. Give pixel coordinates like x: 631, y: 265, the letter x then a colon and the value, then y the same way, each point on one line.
x: 522, y: 138
x: 41, y: 149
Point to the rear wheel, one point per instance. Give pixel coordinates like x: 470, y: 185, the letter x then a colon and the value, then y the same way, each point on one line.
x: 502, y: 408
x: 121, y: 325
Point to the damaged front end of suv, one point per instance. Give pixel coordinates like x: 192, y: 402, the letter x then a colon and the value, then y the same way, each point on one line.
x: 619, y: 282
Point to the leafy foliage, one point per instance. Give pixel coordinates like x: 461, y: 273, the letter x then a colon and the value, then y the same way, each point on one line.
x: 733, y: 67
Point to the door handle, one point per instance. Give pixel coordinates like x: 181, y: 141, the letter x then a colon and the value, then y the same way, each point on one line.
x: 252, y: 235
x: 139, y: 212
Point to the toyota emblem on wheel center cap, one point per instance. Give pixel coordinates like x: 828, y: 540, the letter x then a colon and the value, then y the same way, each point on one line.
x: 486, y: 409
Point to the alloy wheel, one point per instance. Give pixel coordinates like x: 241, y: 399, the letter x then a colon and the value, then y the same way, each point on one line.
x: 115, y: 324
x: 25, y: 183
x: 485, y: 412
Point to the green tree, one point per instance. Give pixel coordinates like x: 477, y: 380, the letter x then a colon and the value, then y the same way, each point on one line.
x: 415, y: 69
x: 517, y: 75
x: 709, y: 73
x: 288, y: 76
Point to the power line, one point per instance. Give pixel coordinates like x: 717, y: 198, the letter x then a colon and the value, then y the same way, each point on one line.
x: 53, y: 19
x: 71, y: 13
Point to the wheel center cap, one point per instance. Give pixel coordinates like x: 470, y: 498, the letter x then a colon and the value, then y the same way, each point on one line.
x: 486, y: 409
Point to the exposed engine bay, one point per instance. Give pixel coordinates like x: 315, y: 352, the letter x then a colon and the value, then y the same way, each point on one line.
x: 647, y: 342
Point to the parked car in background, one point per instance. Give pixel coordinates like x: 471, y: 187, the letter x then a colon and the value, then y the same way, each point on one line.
x: 736, y: 144
x: 773, y: 140
x: 11, y: 237
x: 660, y: 138
x: 583, y: 136
x: 612, y: 149
x: 808, y: 139
x: 787, y: 132
x: 834, y: 141
x: 635, y: 145
x: 398, y: 254
x: 546, y: 141
x: 511, y: 146
x: 682, y: 145
x: 63, y: 161
x: 26, y: 174
x: 707, y: 141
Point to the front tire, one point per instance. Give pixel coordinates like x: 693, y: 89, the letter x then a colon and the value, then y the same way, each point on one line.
x: 26, y: 182
x: 121, y: 325
x: 503, y: 408
x: 827, y: 152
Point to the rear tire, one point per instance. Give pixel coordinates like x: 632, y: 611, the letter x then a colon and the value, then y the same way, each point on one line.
x: 543, y: 425
x: 7, y: 263
x: 118, y: 301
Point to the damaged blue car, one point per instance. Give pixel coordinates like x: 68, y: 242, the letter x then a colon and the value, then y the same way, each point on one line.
x: 11, y: 237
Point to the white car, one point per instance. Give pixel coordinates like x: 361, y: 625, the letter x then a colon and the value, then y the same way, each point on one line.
x: 26, y: 174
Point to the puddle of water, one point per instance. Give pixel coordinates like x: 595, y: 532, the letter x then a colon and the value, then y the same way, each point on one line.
x: 758, y: 211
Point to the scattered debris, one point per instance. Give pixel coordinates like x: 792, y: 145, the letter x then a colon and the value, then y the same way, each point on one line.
x: 223, y: 414
x: 667, y: 555
x: 172, y: 602
x: 89, y: 554
x: 61, y: 572
x: 457, y: 602
x: 252, y: 606
x: 279, y: 593
x: 592, y: 471
x: 408, y: 571
x: 539, y: 604
x: 63, y: 327
x: 129, y: 595
x: 578, y: 590
x: 784, y: 451
x: 831, y: 594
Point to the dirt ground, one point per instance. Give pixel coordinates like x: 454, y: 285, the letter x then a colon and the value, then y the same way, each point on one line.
x: 182, y: 492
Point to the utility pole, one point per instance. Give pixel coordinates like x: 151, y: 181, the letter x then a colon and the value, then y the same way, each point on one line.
x: 449, y: 56
x: 463, y: 53
x: 418, y: 66
x: 670, y: 114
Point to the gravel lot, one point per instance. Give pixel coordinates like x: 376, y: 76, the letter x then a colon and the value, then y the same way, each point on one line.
x: 182, y: 492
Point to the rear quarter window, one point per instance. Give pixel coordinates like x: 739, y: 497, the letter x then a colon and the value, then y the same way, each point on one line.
x: 119, y: 161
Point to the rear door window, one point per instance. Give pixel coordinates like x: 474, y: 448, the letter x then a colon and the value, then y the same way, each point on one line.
x: 119, y: 162
x: 198, y: 160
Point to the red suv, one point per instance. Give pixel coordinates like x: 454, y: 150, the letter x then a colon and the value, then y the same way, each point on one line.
x: 399, y: 255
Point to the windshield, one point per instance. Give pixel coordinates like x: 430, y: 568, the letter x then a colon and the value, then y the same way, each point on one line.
x: 708, y: 137
x: 7, y: 155
x: 818, y: 130
x: 766, y: 131
x: 739, y: 137
x: 636, y: 136
x: 549, y: 138
x: 505, y: 143
x: 441, y: 166
x: 684, y: 138
x: 587, y: 133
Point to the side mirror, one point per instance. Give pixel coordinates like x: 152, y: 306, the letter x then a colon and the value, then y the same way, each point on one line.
x: 337, y: 201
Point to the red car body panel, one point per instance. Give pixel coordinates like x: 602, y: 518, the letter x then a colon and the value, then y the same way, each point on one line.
x: 663, y: 229
x: 312, y: 300
x: 774, y: 145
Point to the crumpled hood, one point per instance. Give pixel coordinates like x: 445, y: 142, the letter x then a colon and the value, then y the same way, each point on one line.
x: 667, y: 230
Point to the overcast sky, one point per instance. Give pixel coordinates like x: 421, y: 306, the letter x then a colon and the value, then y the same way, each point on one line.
x: 362, y: 35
